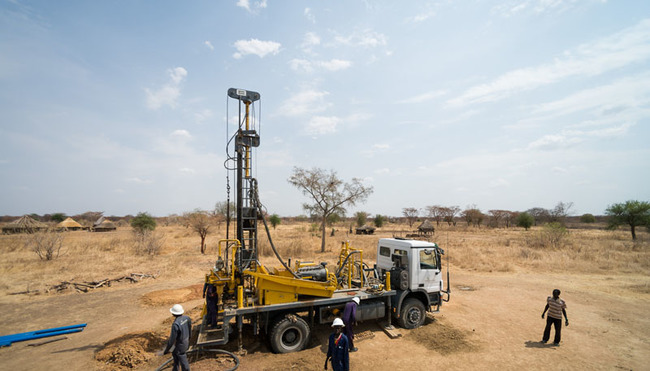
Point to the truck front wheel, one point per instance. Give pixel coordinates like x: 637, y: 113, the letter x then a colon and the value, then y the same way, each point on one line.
x: 289, y: 334
x: 413, y: 314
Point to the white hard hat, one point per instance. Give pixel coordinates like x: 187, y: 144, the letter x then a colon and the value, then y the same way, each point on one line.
x: 338, y: 322
x: 177, y: 310
x: 356, y: 300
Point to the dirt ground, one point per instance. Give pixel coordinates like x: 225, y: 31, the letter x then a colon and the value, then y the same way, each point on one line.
x: 492, y: 322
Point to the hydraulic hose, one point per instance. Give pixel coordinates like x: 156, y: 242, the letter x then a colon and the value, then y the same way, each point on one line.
x: 232, y: 355
x: 268, y: 232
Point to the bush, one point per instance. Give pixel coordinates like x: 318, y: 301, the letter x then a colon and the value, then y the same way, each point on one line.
x: 47, y: 245
x: 552, y: 236
x: 525, y: 220
x: 588, y: 218
x: 143, y: 222
x: 275, y: 220
x: 147, y: 243
x: 379, y: 221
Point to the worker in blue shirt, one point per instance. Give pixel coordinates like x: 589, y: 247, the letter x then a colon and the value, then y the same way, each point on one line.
x: 337, y: 349
x: 179, y: 339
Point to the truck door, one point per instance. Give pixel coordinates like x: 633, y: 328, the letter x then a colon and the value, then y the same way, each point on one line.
x: 428, y: 275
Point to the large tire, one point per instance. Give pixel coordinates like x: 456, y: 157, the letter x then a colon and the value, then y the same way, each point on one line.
x: 289, y: 334
x: 412, y: 314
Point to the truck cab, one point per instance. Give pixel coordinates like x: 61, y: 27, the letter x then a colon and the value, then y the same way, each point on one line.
x: 416, y: 274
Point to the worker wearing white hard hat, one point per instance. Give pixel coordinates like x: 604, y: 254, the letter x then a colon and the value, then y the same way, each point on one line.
x: 338, y: 348
x: 179, y: 339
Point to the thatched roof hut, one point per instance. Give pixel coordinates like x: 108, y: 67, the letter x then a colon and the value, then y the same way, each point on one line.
x: 104, y: 225
x: 426, y: 227
x: 69, y: 224
x: 25, y: 224
x: 366, y: 229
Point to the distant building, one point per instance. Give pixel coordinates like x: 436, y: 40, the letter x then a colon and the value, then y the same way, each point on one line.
x: 70, y: 225
x: 104, y: 225
x: 25, y: 224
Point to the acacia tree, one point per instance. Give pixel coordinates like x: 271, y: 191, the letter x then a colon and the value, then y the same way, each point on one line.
x: 449, y: 214
x: 560, y: 212
x: 275, y: 220
x: 200, y: 221
x: 633, y: 213
x: 411, y: 215
x: 435, y: 213
x: 361, y: 218
x: 328, y: 193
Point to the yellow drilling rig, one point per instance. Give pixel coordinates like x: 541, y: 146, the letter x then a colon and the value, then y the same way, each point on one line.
x: 285, y: 303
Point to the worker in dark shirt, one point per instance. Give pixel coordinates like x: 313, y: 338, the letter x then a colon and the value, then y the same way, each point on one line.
x: 211, y: 299
x: 349, y: 319
x: 337, y: 348
x: 179, y: 339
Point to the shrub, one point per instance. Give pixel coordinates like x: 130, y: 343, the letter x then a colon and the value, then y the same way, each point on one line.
x: 588, y: 218
x: 525, y: 220
x: 552, y: 236
x: 143, y: 222
x: 275, y: 220
x: 47, y: 245
x: 147, y: 243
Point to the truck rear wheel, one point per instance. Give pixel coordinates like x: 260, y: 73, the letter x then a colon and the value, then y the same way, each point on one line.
x: 289, y: 334
x: 413, y: 314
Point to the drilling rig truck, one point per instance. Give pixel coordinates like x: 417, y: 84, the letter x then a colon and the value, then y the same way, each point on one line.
x: 284, y: 304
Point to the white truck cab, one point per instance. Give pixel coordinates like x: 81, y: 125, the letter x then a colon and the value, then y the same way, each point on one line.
x: 416, y: 274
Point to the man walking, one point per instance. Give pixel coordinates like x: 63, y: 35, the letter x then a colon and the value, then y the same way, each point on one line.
x: 337, y: 348
x: 556, y: 307
x: 349, y: 318
x: 179, y: 339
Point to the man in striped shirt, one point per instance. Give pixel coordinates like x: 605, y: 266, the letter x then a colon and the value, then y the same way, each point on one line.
x: 556, y: 307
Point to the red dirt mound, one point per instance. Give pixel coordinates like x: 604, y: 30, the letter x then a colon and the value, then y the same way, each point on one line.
x: 131, y: 350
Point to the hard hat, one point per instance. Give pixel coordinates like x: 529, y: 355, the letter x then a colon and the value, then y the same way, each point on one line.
x: 177, y: 310
x: 356, y: 300
x: 338, y: 322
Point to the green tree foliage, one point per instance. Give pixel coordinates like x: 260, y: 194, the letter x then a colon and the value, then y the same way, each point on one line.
x: 328, y: 193
x: 633, y: 213
x: 588, y: 218
x: 379, y: 220
x: 143, y: 222
x: 361, y: 218
x: 275, y: 220
x: 525, y: 220
x: 58, y: 217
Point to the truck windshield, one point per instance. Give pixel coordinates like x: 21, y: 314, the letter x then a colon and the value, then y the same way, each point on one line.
x: 427, y: 259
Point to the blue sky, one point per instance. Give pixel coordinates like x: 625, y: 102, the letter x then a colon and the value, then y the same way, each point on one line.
x: 120, y: 106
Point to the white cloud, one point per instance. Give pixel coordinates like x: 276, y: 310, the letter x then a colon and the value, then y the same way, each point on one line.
x: 382, y: 171
x: 256, y: 47
x: 138, y: 180
x: 319, y: 125
x: 559, y: 170
x: 375, y: 149
x: 256, y: 5
x: 309, y: 15
x: 498, y: 183
x: 365, y: 38
x: 187, y: 170
x: 421, y: 17
x: 309, y: 40
x: 428, y: 96
x: 306, y: 66
x: 515, y: 7
x: 628, y: 46
x: 208, y: 45
x: 305, y: 102
x: 553, y: 142
x: 203, y: 115
x: 169, y: 93
x: 181, y: 134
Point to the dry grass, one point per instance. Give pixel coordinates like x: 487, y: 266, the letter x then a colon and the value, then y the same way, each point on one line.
x: 94, y: 256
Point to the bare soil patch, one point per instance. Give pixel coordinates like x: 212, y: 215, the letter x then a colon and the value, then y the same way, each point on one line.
x: 442, y: 337
x: 172, y: 296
